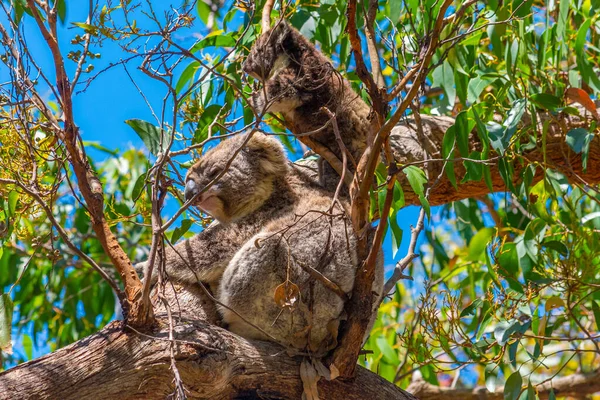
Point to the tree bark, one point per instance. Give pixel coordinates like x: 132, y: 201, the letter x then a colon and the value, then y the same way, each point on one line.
x: 120, y: 363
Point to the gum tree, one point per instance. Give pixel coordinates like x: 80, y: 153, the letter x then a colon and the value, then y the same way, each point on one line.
x: 482, y: 115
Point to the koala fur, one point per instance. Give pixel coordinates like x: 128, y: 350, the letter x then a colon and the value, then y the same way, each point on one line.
x: 298, y: 80
x: 272, y: 222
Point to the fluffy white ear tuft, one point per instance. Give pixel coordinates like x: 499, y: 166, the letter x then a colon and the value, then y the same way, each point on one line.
x: 273, y: 159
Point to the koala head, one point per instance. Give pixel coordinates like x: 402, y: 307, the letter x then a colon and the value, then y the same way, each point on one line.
x: 267, y: 54
x: 244, y: 185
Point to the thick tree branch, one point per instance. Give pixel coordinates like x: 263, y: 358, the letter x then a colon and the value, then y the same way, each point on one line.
x: 213, y: 364
x: 410, y: 148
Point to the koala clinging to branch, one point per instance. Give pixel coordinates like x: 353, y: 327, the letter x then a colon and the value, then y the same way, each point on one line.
x: 283, y: 258
x: 298, y: 80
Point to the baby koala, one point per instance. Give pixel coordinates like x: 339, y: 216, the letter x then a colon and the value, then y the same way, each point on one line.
x: 282, y: 257
x: 298, y: 81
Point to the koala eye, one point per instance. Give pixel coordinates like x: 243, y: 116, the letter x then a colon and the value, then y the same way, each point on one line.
x: 212, y: 174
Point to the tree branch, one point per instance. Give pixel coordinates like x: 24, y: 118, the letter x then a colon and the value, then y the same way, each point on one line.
x: 89, y: 184
x: 212, y: 362
x: 410, y: 148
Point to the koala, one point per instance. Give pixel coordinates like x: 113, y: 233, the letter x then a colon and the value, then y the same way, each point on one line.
x: 275, y: 233
x: 298, y: 81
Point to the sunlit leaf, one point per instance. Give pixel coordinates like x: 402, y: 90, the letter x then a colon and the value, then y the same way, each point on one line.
x: 153, y: 137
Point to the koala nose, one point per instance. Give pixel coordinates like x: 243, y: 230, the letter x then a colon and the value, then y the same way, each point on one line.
x: 191, y: 189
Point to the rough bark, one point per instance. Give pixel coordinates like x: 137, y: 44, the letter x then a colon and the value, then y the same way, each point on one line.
x: 119, y: 363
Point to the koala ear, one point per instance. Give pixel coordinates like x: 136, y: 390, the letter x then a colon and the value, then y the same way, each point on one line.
x: 270, y: 151
x: 280, y: 32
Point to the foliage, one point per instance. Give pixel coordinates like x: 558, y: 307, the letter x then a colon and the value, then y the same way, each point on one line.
x: 506, y: 288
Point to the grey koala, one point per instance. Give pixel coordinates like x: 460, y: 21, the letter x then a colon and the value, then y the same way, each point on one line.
x: 298, y: 80
x: 276, y: 235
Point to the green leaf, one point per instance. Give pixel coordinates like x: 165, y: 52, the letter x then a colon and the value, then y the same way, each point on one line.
x: 491, y: 375
x: 416, y: 178
x: 563, y: 13
x: 596, y: 311
x: 181, y: 230
x: 462, y: 133
x: 215, y: 39
x: 497, y: 134
x: 581, y: 39
x: 479, y: 243
x: 557, y: 246
x: 203, y: 10
x: 485, y: 322
x: 521, y: 8
x: 447, y: 153
x: 476, y: 86
x: 208, y: 116
x: 444, y: 77
x: 531, y: 392
x: 505, y: 329
x: 551, y: 395
x: 508, y: 259
x: 27, y: 344
x: 138, y: 187
x: 188, y: 72
x: 6, y: 313
x: 150, y: 135
x: 514, y: 117
x: 13, y: 198
x: 396, y: 234
x: 98, y: 146
x: 389, y: 355
x: 471, y: 309
x: 546, y: 101
x: 579, y: 140
x: 86, y: 27
x: 590, y: 216
x: 512, y: 387
x: 395, y: 9
x: 61, y: 8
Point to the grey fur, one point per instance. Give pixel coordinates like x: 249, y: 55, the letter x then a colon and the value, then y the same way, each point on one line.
x: 271, y: 222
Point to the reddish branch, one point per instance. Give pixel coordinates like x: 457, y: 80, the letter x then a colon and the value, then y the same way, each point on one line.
x: 89, y: 184
x: 359, y: 307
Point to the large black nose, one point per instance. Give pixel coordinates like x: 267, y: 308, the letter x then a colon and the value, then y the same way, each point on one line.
x: 191, y: 189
